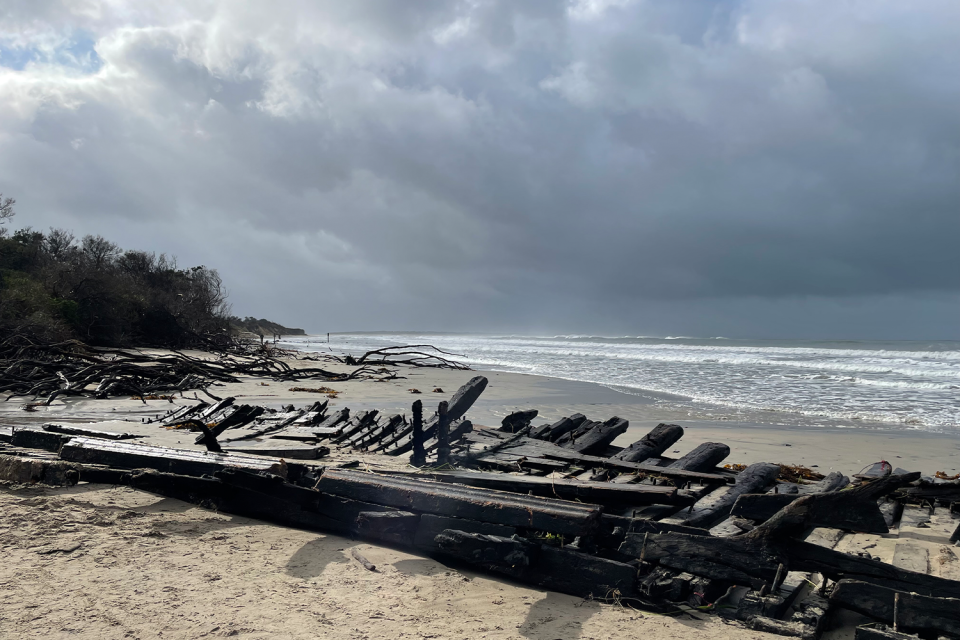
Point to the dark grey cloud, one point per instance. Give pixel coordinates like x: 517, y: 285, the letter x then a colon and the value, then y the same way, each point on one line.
x: 732, y: 168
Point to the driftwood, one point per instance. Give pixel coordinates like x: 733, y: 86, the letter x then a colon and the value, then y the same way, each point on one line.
x: 72, y: 368
x: 415, y: 355
x: 359, y: 557
x: 651, y: 445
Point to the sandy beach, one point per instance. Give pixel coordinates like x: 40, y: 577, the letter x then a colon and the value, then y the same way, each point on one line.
x: 109, y: 562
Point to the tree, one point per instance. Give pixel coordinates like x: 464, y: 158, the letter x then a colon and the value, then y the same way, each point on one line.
x: 6, y: 212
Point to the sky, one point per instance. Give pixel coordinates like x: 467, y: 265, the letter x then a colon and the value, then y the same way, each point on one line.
x: 752, y: 168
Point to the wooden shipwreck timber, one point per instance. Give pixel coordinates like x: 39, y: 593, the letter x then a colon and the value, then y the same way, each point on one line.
x: 557, y: 506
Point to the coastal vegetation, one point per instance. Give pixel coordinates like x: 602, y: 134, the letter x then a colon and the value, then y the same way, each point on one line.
x: 54, y: 286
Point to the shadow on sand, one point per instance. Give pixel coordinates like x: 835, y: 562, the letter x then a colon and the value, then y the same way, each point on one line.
x: 557, y: 617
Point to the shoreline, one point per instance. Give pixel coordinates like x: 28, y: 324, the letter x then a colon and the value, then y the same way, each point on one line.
x: 824, y: 448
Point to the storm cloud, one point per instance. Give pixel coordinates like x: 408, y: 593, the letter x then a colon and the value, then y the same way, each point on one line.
x: 749, y: 168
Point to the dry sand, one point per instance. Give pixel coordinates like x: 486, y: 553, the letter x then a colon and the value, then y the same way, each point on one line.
x: 104, y: 562
x: 99, y: 562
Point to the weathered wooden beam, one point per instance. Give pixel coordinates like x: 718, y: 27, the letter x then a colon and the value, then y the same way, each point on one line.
x: 528, y: 447
x: 419, y: 457
x: 37, y: 439
x: 596, y: 439
x: 87, y: 432
x: 756, y: 477
x: 443, y: 434
x: 464, y: 398
x: 561, y: 428
x: 757, y: 557
x: 705, y: 456
x: 127, y: 455
x: 543, y: 431
x: 357, y: 423
x: 658, y: 440
x: 553, y: 568
x: 603, y: 493
x: 431, y: 525
x: 31, y: 470
x: 363, y: 435
x: 394, y: 527
x: 782, y: 628
x: 853, y: 509
x: 498, y: 507
x: 518, y: 420
x: 280, y: 451
x: 572, y: 436
x: 910, y: 611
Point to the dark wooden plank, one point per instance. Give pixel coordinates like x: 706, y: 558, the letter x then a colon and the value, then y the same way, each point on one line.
x: 419, y: 457
x: 563, y: 427
x: 705, y: 456
x: 596, y: 439
x: 499, y: 507
x: 357, y: 423
x: 31, y: 470
x: 914, y: 612
x: 871, y: 632
x: 538, y: 448
x: 37, y: 439
x: 77, y: 430
x: 756, y: 477
x: 281, y: 451
x: 394, y: 527
x: 549, y: 567
x: 127, y: 455
x: 543, y: 431
x: 464, y: 398
x: 759, y: 557
x: 603, y: 493
x: 518, y: 420
x: 432, y: 525
x: 853, y: 509
x: 658, y: 440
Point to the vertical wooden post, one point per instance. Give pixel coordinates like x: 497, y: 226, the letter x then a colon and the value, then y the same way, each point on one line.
x: 443, y: 434
x: 419, y: 457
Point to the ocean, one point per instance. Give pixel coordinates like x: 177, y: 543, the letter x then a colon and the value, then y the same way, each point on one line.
x: 912, y: 384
